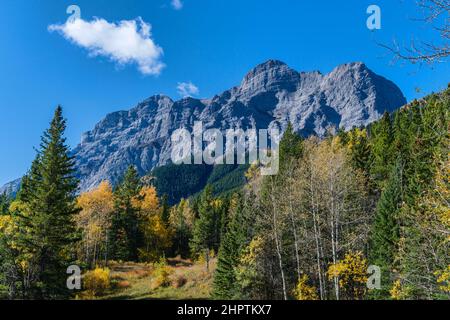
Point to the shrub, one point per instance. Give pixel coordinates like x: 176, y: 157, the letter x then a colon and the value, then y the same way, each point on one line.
x: 96, y: 282
x: 161, y: 275
x: 304, y: 291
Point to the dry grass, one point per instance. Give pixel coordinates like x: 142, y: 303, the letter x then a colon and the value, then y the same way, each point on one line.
x: 179, y: 279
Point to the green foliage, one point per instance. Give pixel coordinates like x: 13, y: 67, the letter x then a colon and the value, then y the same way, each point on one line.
x: 290, y: 146
x: 277, y: 237
x: 183, y: 181
x: 4, y: 204
x: 180, y: 181
x: 360, y: 150
x: 165, y: 210
x: 181, y: 220
x: 237, y: 236
x: 226, y: 179
x: 386, y: 224
x: 381, y: 141
x: 386, y: 229
x: 424, y: 241
x: 46, y: 208
x: 407, y: 212
x: 207, y: 228
x: 125, y: 234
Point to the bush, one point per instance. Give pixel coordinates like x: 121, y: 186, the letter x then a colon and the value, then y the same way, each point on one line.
x: 96, y: 282
x: 303, y: 291
x: 161, y: 275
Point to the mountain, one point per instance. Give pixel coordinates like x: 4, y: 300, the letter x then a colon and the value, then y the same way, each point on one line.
x: 271, y: 94
x: 11, y: 188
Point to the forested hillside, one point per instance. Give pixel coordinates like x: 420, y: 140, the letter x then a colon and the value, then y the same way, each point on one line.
x: 375, y: 196
x: 183, y: 181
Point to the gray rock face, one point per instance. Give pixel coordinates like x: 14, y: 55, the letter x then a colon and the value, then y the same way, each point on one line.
x: 272, y: 94
x: 11, y: 188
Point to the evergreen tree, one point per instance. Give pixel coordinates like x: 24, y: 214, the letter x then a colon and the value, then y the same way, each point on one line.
x: 165, y: 210
x: 4, y: 204
x: 236, y: 237
x: 290, y: 146
x: 360, y: 150
x: 343, y: 136
x: 206, y: 231
x: 124, y: 234
x: 386, y: 227
x: 7, y: 256
x: 381, y: 141
x: 424, y: 246
x: 48, y: 193
x: 181, y: 221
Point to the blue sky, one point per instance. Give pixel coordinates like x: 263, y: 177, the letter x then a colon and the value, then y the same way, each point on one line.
x: 209, y: 43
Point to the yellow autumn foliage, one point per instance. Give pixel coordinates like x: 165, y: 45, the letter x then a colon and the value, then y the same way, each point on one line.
x: 351, y: 272
x: 96, y: 282
x: 94, y: 220
x: 398, y: 292
x: 147, y: 201
x: 304, y: 291
x: 161, y: 275
x: 444, y: 279
x: 157, y: 235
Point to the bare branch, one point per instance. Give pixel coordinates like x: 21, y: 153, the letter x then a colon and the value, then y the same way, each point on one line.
x: 437, y: 14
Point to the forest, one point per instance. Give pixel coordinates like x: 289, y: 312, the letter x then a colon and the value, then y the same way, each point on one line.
x: 375, y: 197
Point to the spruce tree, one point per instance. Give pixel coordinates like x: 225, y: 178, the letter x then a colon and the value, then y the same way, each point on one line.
x: 4, y: 204
x: 182, y: 230
x: 205, y: 229
x: 165, y: 211
x: 381, y: 141
x: 386, y: 227
x: 343, y: 136
x: 124, y: 234
x: 360, y: 150
x: 235, y: 239
x: 291, y: 146
x: 49, y: 191
x: 7, y: 256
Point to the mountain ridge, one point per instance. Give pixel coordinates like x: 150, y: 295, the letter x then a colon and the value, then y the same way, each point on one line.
x: 270, y: 94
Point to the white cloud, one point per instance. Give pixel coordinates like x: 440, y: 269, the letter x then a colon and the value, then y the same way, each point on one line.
x: 177, y: 4
x: 125, y: 42
x: 187, y: 89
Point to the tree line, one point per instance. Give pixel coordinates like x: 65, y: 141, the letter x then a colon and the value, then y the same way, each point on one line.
x: 370, y: 196
x: 49, y: 226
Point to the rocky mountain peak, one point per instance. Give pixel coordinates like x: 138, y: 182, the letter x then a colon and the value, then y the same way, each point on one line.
x: 268, y: 76
x: 271, y: 94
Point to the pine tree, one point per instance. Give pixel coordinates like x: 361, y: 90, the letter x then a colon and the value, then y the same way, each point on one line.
x: 4, y: 204
x: 182, y: 217
x: 381, y: 141
x: 165, y: 210
x: 236, y: 237
x: 124, y: 234
x: 48, y: 192
x: 386, y: 227
x: 290, y: 146
x: 424, y: 245
x: 360, y: 151
x: 205, y: 233
x: 343, y: 136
